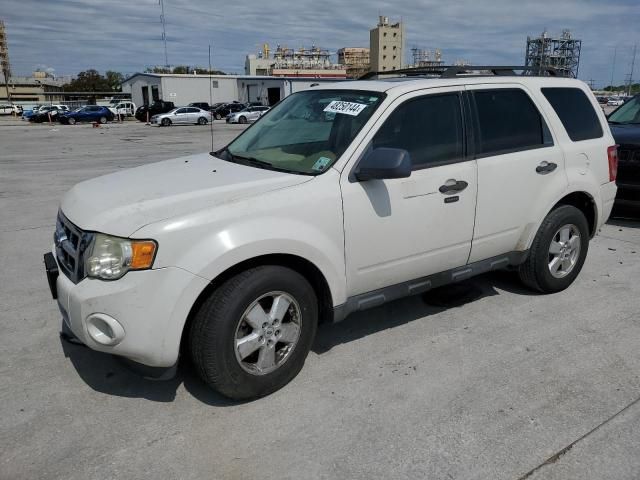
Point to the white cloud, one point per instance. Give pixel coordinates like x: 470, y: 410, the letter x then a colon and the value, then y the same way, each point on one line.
x: 125, y: 35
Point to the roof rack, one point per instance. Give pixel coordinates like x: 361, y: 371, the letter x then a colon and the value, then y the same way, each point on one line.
x: 443, y: 71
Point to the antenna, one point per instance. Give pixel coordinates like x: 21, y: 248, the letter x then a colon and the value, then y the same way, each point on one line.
x: 613, y: 67
x: 164, y: 33
x: 210, y: 99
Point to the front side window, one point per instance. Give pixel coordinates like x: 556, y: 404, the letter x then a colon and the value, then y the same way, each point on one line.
x: 429, y: 128
x: 306, y: 132
x: 181, y: 110
x: 629, y: 113
x: 508, y: 121
x: 575, y: 111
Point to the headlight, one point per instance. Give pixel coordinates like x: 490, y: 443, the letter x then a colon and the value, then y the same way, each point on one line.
x: 110, y: 258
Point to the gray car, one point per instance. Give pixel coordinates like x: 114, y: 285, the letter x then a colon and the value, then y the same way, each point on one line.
x: 182, y: 115
x: 249, y: 114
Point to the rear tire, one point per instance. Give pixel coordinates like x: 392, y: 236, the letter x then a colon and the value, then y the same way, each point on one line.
x: 266, y: 361
x: 218, y: 116
x: 202, y: 121
x: 558, y: 251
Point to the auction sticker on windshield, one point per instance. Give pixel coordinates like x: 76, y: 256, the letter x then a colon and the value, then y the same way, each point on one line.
x: 348, y: 108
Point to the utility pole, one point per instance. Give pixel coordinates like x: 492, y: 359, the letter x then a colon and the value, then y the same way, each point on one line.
x: 613, y: 67
x: 164, y: 33
x: 633, y: 64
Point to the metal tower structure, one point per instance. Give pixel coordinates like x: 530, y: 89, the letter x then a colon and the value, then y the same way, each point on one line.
x: 561, y: 53
x: 426, y: 58
x: 164, y: 33
x: 5, y: 66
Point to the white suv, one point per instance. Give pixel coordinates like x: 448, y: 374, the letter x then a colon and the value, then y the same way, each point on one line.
x: 340, y: 198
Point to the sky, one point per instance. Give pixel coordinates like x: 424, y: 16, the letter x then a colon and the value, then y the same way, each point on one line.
x: 68, y: 36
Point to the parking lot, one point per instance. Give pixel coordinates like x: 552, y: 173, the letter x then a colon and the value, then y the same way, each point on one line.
x: 484, y: 380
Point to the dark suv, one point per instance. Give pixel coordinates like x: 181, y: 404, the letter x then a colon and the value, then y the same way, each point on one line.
x: 625, y: 126
x: 153, y: 109
x: 223, y: 110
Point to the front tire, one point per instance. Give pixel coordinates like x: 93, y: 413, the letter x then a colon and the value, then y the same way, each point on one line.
x: 103, y: 120
x: 252, y: 335
x: 218, y: 116
x: 558, y: 251
x: 242, y: 120
x: 165, y: 122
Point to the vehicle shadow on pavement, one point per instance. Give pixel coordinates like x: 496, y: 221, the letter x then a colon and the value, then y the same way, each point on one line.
x: 400, y: 312
x: 108, y: 374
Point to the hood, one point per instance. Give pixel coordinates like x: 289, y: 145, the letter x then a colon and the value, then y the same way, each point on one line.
x: 123, y: 202
x: 626, y: 134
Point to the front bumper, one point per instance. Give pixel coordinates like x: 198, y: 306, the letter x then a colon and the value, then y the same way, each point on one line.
x: 140, y: 316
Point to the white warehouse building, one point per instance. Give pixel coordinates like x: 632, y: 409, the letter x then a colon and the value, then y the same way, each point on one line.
x: 184, y: 89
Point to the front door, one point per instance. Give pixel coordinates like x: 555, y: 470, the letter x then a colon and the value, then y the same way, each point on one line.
x: 402, y: 229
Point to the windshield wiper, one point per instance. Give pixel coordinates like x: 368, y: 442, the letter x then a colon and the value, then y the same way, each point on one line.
x: 252, y: 161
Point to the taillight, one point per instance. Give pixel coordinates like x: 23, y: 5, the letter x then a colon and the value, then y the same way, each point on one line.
x: 612, y: 154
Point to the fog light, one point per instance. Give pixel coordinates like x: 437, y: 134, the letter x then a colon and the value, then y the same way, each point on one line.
x: 104, y: 329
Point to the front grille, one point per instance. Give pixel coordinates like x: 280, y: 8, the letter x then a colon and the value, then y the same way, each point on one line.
x: 71, y: 243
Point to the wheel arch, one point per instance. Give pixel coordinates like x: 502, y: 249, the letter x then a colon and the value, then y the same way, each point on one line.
x: 583, y: 202
x: 299, y: 264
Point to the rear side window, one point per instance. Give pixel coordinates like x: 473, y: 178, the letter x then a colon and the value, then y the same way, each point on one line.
x: 575, y: 111
x: 508, y: 121
x: 429, y: 128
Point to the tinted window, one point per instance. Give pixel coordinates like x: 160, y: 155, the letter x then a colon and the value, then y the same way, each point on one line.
x: 181, y: 110
x: 193, y: 110
x: 575, y: 111
x: 429, y: 128
x: 508, y: 121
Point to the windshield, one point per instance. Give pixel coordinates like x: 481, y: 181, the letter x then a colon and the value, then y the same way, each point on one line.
x: 627, y: 113
x: 306, y: 132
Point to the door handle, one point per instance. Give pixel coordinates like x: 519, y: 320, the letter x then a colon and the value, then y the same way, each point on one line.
x: 453, y: 186
x: 546, y: 167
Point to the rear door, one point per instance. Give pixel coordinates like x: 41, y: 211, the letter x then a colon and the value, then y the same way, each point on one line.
x: 520, y: 168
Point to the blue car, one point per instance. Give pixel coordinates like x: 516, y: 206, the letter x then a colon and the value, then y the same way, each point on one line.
x: 90, y: 113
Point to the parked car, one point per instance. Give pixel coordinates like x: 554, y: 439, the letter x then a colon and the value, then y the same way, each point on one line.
x: 153, y: 109
x: 90, y: 113
x: 248, y: 114
x: 615, y: 102
x: 625, y: 127
x: 201, y: 105
x: 602, y: 100
x: 125, y: 108
x: 47, y: 113
x: 342, y: 198
x: 183, y: 115
x: 7, y: 109
x: 223, y: 110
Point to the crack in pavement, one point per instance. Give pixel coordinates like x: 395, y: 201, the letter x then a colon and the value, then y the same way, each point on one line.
x: 556, y: 456
x: 619, y: 239
x: 27, y: 228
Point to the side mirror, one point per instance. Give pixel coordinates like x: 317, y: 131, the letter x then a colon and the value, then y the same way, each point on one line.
x: 383, y: 163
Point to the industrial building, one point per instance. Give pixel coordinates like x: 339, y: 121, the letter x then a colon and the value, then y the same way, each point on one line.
x: 147, y: 88
x: 561, y: 53
x: 356, y: 60
x: 311, y: 62
x: 39, y: 88
x: 387, y: 44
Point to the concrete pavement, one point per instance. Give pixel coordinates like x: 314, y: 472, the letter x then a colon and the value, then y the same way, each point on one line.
x: 491, y: 382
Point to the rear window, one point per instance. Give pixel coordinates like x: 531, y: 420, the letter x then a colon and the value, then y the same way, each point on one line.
x: 508, y: 121
x: 575, y: 111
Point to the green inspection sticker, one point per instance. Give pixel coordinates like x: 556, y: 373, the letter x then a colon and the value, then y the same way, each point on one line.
x: 321, y: 163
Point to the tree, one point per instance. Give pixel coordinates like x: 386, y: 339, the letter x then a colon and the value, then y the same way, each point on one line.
x: 114, y: 79
x: 91, y: 81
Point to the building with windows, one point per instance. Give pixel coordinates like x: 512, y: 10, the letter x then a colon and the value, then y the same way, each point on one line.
x: 386, y: 43
x: 39, y: 88
x: 356, y: 60
x: 146, y: 88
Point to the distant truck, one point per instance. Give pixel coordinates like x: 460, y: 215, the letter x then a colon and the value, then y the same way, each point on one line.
x: 125, y: 108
